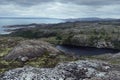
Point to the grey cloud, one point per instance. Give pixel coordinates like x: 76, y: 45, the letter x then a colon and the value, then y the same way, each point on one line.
x: 92, y: 2
x: 60, y: 8
x: 78, y: 2
x: 24, y: 2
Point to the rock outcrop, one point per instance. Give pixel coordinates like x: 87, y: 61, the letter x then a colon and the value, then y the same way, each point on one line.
x: 31, y: 49
x: 91, y: 41
x: 78, y: 70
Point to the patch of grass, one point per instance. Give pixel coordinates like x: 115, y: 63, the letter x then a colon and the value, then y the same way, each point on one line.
x: 115, y: 61
x: 47, y: 60
x: 52, y: 40
x: 6, y: 65
x: 5, y: 51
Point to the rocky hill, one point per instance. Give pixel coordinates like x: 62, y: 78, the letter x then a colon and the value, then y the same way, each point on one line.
x: 16, y: 53
x: 31, y: 49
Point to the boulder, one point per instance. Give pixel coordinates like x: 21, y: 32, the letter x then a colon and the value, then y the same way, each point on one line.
x: 30, y: 49
x: 78, y: 70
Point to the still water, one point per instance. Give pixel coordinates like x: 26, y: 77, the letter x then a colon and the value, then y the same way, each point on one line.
x: 85, y: 51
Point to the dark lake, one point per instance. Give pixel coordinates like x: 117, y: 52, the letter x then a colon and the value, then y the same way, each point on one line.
x: 85, y: 51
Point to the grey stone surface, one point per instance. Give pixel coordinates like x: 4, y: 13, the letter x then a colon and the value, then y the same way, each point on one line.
x: 77, y: 70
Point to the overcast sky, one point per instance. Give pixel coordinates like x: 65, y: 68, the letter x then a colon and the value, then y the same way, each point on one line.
x: 60, y: 8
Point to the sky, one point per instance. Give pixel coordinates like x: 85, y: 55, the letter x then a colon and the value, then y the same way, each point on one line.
x: 60, y: 8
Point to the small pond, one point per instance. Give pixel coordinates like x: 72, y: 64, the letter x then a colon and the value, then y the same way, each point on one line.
x: 85, y: 51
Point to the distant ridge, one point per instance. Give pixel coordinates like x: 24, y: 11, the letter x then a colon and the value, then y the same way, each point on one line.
x: 90, y: 19
x: 66, y: 20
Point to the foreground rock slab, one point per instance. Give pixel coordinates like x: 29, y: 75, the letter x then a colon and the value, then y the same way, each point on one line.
x: 31, y: 49
x: 78, y: 70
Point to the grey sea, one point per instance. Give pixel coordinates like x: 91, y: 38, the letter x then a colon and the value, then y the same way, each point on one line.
x: 19, y: 21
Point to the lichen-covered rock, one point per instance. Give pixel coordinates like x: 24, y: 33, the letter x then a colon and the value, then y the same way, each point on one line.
x: 78, y: 70
x: 30, y: 49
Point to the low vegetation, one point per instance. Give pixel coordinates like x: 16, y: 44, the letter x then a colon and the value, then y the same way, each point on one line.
x: 46, y: 60
x: 92, y: 34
